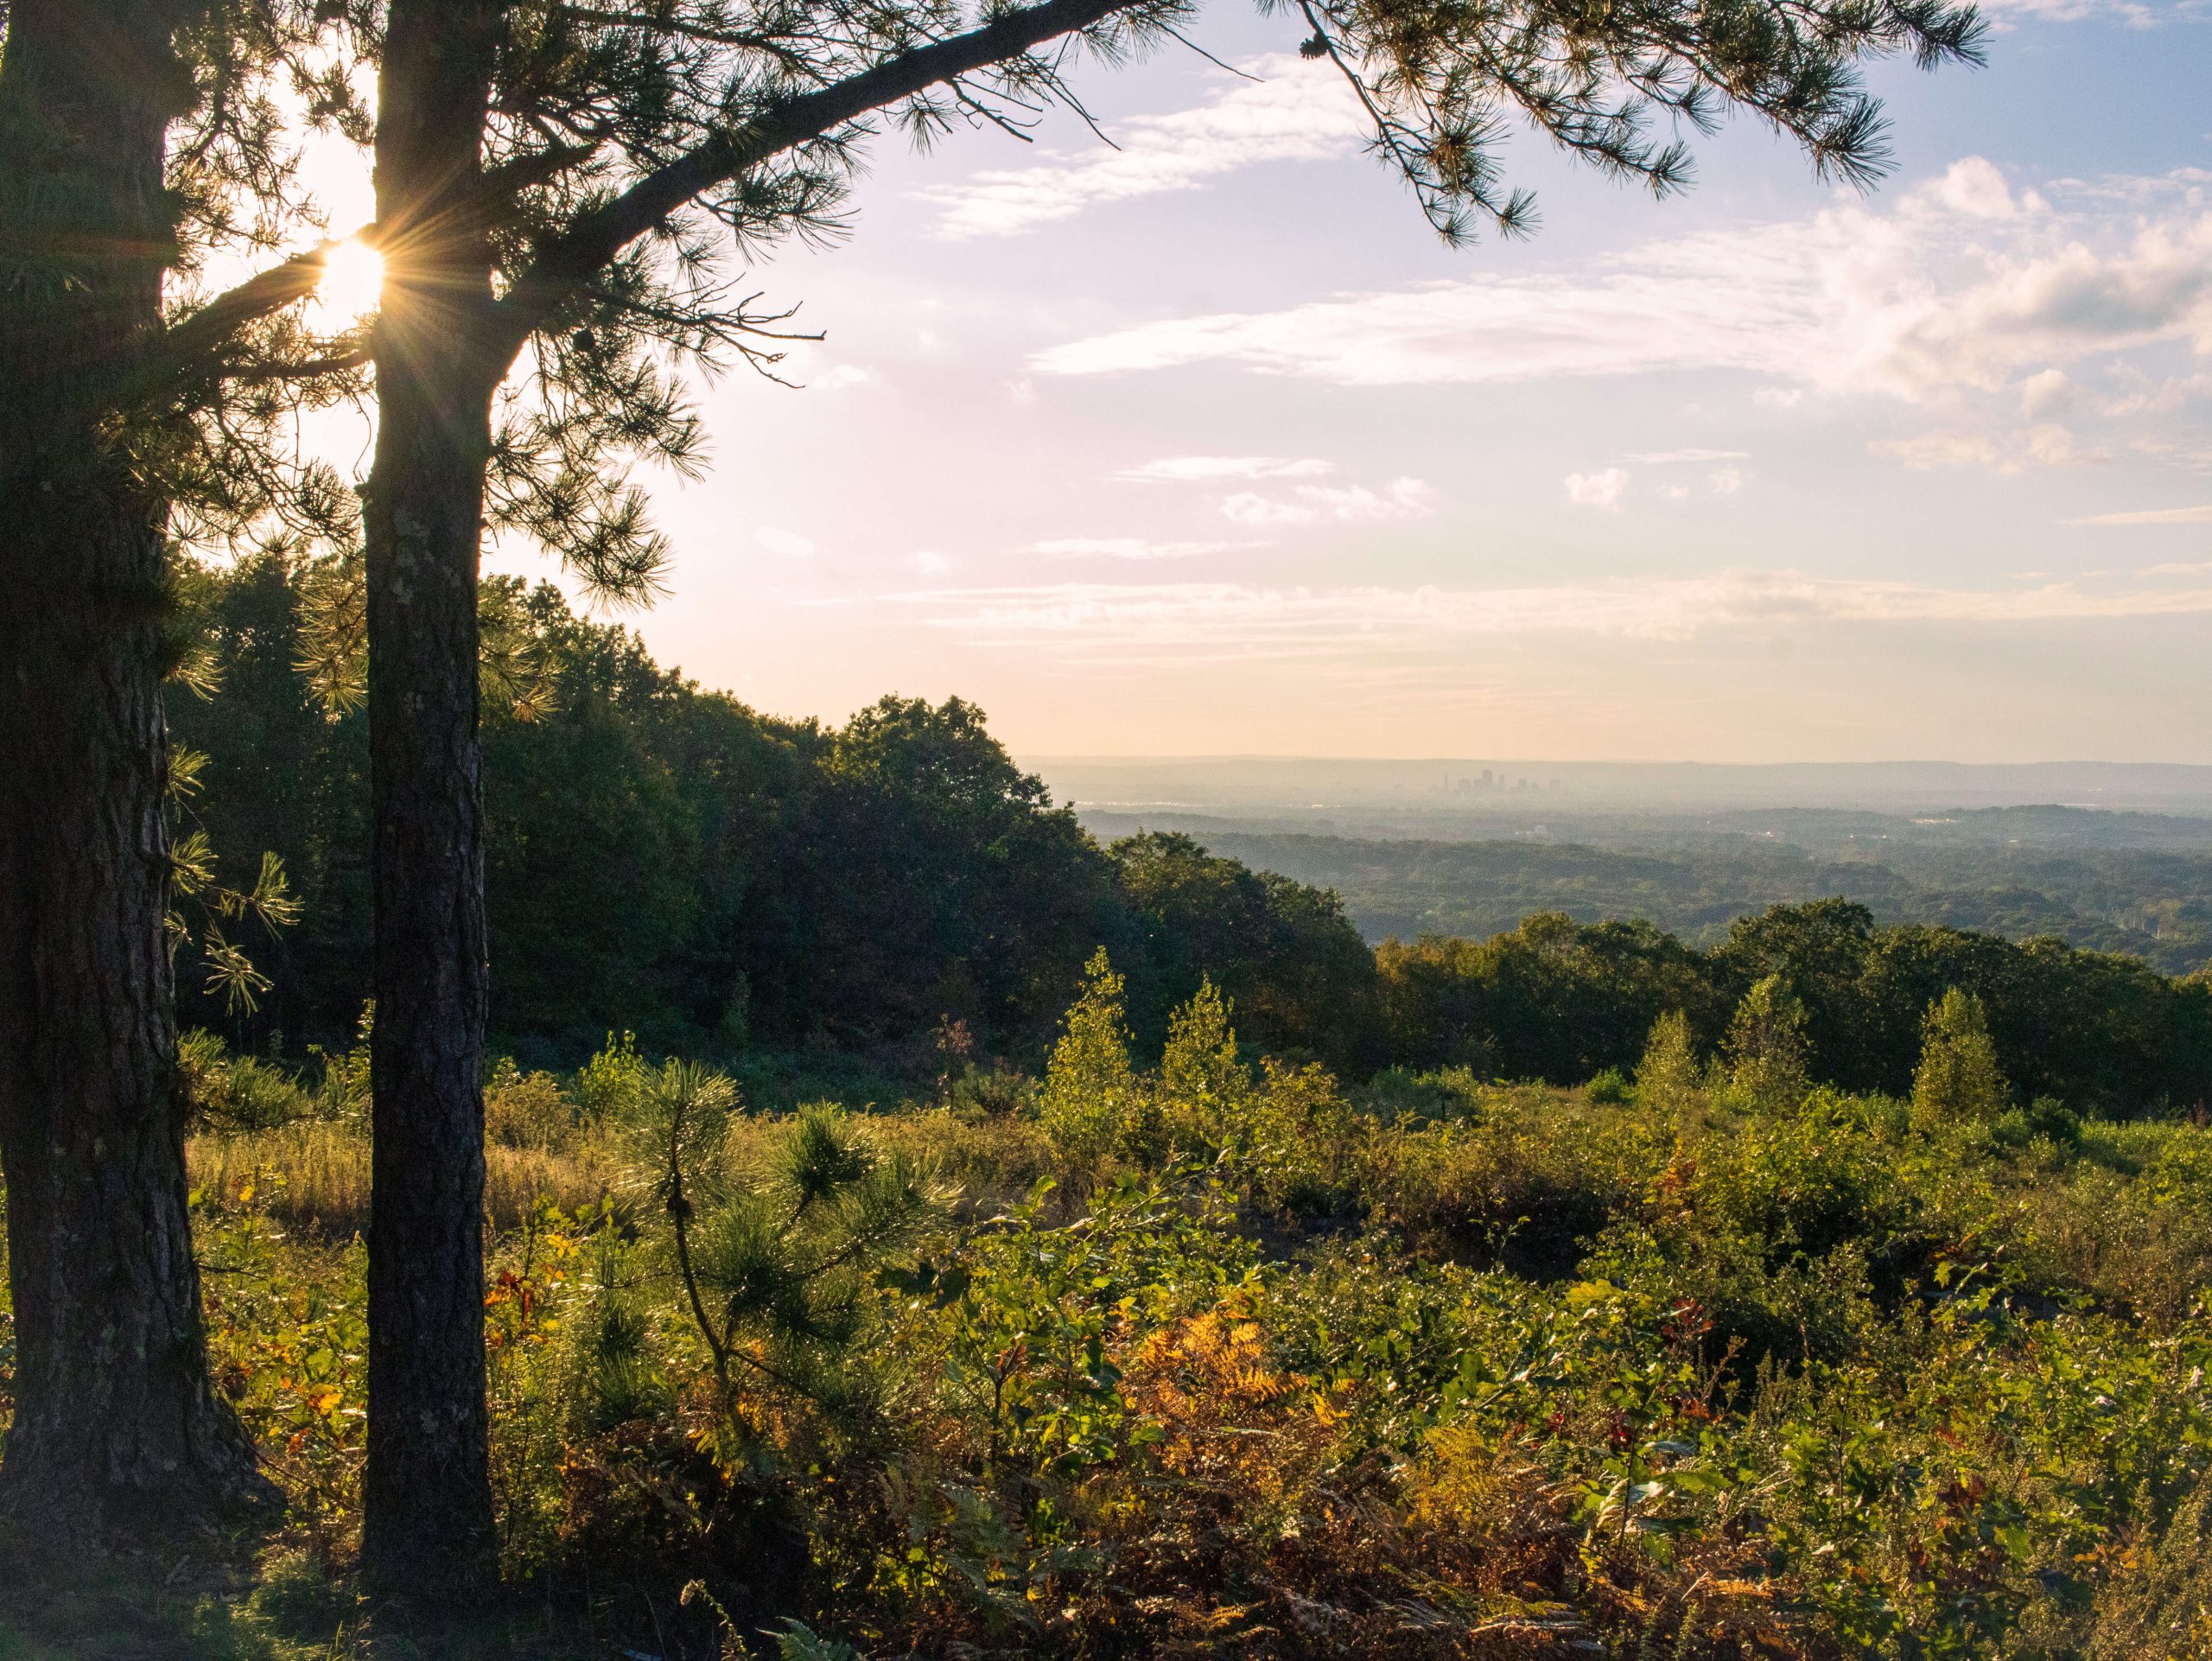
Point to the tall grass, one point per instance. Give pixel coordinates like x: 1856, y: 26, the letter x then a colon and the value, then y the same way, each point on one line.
x: 314, y: 1177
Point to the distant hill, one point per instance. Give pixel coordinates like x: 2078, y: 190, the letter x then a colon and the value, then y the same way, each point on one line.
x: 1357, y: 791
x: 2153, y: 902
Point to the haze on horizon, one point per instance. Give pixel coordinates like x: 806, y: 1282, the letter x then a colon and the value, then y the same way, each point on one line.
x: 1205, y: 445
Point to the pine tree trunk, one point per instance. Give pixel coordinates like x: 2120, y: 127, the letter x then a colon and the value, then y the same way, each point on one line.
x: 115, y: 1427
x: 427, y: 1524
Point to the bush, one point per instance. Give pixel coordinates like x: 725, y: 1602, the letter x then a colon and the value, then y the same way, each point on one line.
x: 1218, y: 1357
x: 527, y: 1110
x: 1611, y: 1088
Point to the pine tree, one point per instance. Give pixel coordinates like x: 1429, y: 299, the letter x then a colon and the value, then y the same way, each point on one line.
x: 776, y: 1265
x: 1958, y: 1077
x: 137, y: 138
x: 551, y: 182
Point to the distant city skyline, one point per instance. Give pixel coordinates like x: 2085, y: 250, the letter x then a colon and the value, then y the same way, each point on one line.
x: 1205, y: 444
x: 1436, y: 789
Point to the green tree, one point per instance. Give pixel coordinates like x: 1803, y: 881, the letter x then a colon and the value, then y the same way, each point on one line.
x: 1205, y: 1094
x: 1200, y: 1061
x: 1669, y: 1076
x: 1092, y: 1093
x: 1435, y: 1007
x: 1767, y: 1052
x: 936, y: 879
x: 1553, y: 999
x: 1958, y: 1077
x: 776, y: 1264
x: 1286, y: 953
x: 1821, y: 950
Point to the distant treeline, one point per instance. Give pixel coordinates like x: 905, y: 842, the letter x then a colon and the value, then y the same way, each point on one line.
x: 664, y: 859
x: 1562, y: 1001
x: 2151, y: 901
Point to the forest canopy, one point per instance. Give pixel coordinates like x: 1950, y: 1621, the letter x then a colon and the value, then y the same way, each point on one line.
x: 664, y: 860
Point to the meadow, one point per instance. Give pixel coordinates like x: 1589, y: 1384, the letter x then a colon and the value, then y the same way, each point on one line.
x: 1223, y: 1358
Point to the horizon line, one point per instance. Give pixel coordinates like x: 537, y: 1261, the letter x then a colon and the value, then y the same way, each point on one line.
x: 1039, y: 757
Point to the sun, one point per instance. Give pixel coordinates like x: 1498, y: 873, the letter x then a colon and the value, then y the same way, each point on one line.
x: 352, y: 281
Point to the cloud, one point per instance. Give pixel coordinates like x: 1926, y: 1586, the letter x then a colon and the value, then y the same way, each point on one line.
x: 2047, y: 393
x: 1481, y: 329
x: 928, y: 562
x: 2152, y: 516
x: 1229, y: 616
x: 1297, y: 111
x: 1597, y: 489
x: 1399, y: 501
x: 1132, y: 548
x: 1725, y: 481
x: 2045, y: 446
x: 840, y: 376
x: 2057, y: 306
x: 1960, y: 285
x: 1668, y: 458
x: 2134, y: 13
x: 789, y: 544
x: 1181, y: 468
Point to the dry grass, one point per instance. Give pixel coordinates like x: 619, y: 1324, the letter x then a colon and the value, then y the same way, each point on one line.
x: 314, y: 1177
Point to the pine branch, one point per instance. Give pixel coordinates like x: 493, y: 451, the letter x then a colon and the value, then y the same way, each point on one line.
x: 303, y: 369
x: 568, y: 261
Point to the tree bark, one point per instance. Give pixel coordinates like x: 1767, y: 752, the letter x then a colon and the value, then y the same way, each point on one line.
x: 115, y: 1427
x: 428, y: 1526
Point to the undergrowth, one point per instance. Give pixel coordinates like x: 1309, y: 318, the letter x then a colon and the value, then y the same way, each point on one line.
x: 1217, y: 1357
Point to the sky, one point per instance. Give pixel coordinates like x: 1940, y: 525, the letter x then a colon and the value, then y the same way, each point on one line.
x: 1205, y: 444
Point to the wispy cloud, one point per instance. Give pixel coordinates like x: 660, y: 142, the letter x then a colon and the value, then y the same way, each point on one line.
x: 1670, y: 458
x: 1399, y: 501
x: 1296, y: 111
x: 2201, y: 515
x: 1132, y: 548
x: 1961, y: 285
x: 1202, y: 468
x: 1228, y: 616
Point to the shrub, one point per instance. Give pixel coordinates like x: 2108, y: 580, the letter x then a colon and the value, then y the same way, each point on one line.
x: 1958, y: 1077
x: 1669, y: 1076
x: 1091, y: 1101
x: 1611, y: 1088
x: 1767, y: 1049
x: 527, y: 1110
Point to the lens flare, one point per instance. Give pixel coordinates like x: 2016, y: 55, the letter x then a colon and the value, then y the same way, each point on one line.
x: 352, y: 283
